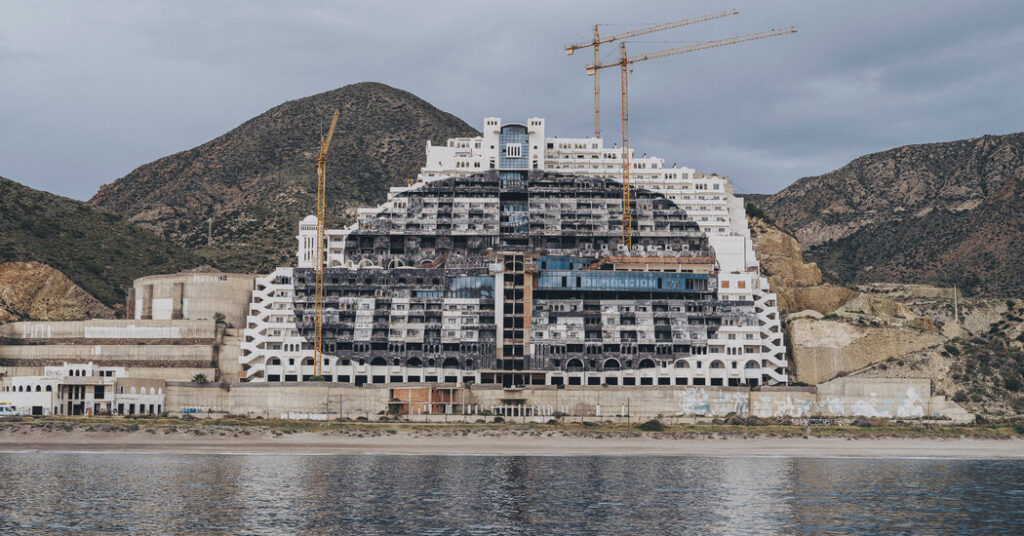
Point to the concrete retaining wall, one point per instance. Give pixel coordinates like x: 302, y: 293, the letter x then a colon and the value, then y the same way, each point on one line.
x: 109, y: 329
x: 843, y: 397
x: 271, y: 401
x: 107, y: 354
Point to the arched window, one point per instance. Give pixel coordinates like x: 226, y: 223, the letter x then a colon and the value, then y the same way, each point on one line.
x: 469, y: 363
x: 378, y: 362
x: 414, y: 362
x: 612, y: 364
x: 574, y: 365
x: 646, y: 363
x: 308, y: 361
x: 430, y: 362
x: 274, y: 361
x: 451, y: 362
x: 682, y: 363
x: 717, y: 364
x: 752, y: 365
x: 396, y: 362
x: 49, y: 388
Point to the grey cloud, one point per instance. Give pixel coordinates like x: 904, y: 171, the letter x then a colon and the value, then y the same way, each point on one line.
x: 91, y: 90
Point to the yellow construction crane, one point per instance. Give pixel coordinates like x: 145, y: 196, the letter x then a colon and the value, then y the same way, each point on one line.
x: 321, y: 202
x: 624, y: 63
x: 598, y: 41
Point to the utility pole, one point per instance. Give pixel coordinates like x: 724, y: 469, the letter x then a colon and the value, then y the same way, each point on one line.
x: 956, y: 308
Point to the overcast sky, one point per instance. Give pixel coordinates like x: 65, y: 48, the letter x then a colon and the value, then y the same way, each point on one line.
x: 91, y: 90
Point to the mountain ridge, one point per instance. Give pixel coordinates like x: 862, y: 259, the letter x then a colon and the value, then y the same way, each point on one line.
x: 98, y: 250
x: 257, y: 180
x: 935, y: 213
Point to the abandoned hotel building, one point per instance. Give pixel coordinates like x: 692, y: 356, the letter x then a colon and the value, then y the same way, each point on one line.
x: 504, y: 263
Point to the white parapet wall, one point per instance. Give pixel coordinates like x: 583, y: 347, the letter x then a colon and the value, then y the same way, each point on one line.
x: 43, y: 332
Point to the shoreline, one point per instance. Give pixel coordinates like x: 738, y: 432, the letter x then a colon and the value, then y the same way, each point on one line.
x: 490, y: 441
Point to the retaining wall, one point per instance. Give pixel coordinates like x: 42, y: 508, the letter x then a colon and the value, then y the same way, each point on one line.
x: 41, y: 332
x: 843, y: 397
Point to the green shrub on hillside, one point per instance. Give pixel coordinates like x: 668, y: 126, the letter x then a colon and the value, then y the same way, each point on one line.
x: 100, y: 251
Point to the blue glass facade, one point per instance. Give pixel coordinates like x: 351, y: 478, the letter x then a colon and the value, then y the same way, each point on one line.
x: 471, y: 287
x: 609, y: 281
x: 514, y: 134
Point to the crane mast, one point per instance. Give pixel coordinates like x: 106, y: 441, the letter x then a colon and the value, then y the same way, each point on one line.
x: 627, y: 212
x: 598, y: 41
x: 321, y: 202
x: 624, y: 62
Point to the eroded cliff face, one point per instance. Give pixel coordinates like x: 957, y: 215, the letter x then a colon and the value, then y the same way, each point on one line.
x: 32, y: 290
x: 825, y: 348
x: 797, y: 284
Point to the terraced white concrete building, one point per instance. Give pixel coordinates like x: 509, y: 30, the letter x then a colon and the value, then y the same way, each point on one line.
x: 503, y: 263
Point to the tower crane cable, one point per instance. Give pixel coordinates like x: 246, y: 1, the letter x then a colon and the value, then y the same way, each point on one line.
x: 624, y: 62
x: 598, y: 41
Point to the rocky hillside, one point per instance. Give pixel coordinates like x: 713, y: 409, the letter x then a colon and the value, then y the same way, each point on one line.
x: 98, y: 250
x: 31, y: 290
x: 980, y: 365
x: 258, y: 180
x: 938, y: 213
x: 797, y: 284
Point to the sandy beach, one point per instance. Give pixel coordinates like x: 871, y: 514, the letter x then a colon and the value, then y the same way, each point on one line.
x: 496, y: 442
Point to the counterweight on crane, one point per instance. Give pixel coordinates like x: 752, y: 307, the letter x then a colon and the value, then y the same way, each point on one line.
x: 321, y: 202
x: 624, y: 62
x: 598, y: 41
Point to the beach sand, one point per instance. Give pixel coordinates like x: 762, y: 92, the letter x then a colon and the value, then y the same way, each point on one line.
x: 498, y: 442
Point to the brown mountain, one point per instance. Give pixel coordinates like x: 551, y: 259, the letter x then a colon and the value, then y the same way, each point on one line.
x: 259, y: 179
x: 96, y: 249
x: 937, y: 213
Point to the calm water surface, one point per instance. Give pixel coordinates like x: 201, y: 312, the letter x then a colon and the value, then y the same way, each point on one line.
x: 90, y: 493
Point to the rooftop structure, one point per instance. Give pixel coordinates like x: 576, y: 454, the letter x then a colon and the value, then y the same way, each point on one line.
x: 503, y: 263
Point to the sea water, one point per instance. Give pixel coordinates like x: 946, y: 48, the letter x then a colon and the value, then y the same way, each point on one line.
x: 118, y: 493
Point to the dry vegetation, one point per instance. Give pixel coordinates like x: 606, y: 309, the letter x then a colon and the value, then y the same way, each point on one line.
x: 733, y: 427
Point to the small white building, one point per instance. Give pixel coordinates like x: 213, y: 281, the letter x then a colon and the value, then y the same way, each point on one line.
x: 83, y: 389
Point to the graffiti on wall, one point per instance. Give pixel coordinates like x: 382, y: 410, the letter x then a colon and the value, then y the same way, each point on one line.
x: 707, y: 402
x: 905, y: 402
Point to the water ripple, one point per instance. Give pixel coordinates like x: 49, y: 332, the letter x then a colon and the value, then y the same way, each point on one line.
x: 89, y: 493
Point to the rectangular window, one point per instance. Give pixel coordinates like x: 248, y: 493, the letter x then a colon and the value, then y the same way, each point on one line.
x: 725, y: 284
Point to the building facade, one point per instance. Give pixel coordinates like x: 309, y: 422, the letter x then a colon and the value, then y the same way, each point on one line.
x: 503, y: 263
x: 84, y: 389
x: 191, y: 296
